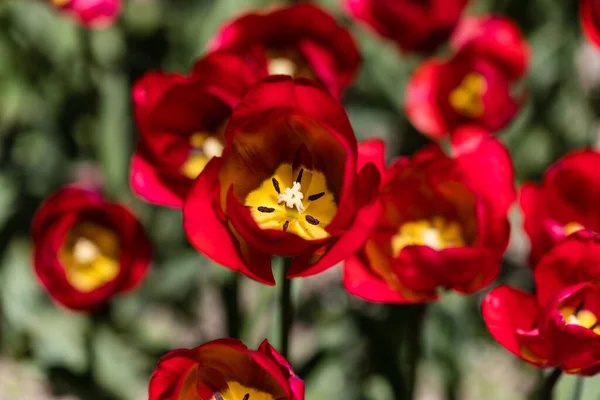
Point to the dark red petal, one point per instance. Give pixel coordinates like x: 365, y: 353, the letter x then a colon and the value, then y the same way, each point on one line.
x: 372, y: 151
x: 589, y: 14
x: 507, y: 311
x: 422, y: 100
x: 146, y: 182
x: 360, y: 281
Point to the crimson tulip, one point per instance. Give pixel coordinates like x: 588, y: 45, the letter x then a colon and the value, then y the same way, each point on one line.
x: 412, y: 25
x: 589, y: 14
x: 566, y: 201
x: 301, y: 40
x: 225, y: 369
x: 86, y: 249
x: 444, y: 224
x: 181, y: 120
x: 290, y: 182
x: 475, y: 85
x: 91, y: 13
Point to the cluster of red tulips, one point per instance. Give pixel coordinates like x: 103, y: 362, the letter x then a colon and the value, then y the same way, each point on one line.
x: 255, y: 148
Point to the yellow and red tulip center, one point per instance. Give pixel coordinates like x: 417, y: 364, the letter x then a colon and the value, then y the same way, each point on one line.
x: 572, y: 227
x: 467, y: 97
x: 300, y: 204
x: 204, y: 146
x: 581, y: 317
x: 289, y: 63
x: 90, y: 256
x: 437, y: 233
x: 236, y: 391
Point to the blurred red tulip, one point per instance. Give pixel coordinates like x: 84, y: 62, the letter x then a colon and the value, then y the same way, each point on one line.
x: 301, y: 40
x: 475, y: 85
x: 444, y: 225
x: 181, y: 120
x: 91, y: 13
x: 225, y: 369
x: 412, y: 25
x: 290, y: 183
x: 86, y: 249
x: 589, y: 13
x: 566, y: 201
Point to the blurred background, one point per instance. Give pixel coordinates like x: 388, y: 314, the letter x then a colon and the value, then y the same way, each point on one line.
x: 65, y: 115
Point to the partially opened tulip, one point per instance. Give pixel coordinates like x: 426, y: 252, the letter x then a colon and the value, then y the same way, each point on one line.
x: 444, y: 225
x: 181, y: 120
x: 301, y: 40
x: 91, y: 13
x: 412, y: 25
x: 290, y: 182
x: 559, y: 325
x: 86, y: 250
x: 589, y: 14
x: 474, y: 86
x: 566, y: 201
x: 225, y: 369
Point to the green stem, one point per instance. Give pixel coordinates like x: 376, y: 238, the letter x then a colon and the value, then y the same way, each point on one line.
x: 549, y: 383
x: 285, y: 308
x: 578, y: 392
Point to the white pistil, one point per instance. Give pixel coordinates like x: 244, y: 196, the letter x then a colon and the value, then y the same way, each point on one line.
x: 292, y: 197
x: 85, y: 251
x: 212, y: 147
x: 282, y: 66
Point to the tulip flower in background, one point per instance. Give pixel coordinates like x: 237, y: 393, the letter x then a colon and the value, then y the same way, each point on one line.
x: 91, y: 13
x: 225, y: 369
x: 86, y: 249
x: 444, y: 224
x: 301, y: 40
x: 181, y: 120
x: 474, y: 86
x: 566, y: 201
x: 589, y: 13
x: 413, y: 26
x: 291, y: 182
x: 559, y: 325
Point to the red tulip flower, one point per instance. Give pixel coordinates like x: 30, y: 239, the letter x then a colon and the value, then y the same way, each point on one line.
x: 291, y: 182
x: 181, y: 121
x: 566, y: 201
x: 444, y: 224
x: 225, y: 369
x: 91, y: 13
x: 301, y: 40
x: 412, y: 25
x: 559, y: 325
x: 475, y: 85
x: 589, y: 13
x: 86, y: 249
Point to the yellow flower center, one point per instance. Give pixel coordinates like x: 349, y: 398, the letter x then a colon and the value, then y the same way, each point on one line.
x: 204, y: 147
x: 235, y: 391
x: 90, y: 256
x: 578, y: 316
x: 301, y: 205
x: 572, y: 227
x: 59, y: 3
x: 467, y: 97
x: 437, y: 233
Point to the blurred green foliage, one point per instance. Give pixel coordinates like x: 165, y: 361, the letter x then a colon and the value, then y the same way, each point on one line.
x: 65, y: 114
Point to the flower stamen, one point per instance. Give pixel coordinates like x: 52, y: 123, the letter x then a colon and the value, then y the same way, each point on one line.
x: 263, y: 209
x: 292, y: 197
x: 276, y: 185
x: 286, y: 226
x: 312, y: 220
x: 317, y: 196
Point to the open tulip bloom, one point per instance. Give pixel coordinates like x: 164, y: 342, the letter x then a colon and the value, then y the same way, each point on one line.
x: 181, y: 120
x: 444, y: 224
x: 225, y: 369
x: 559, y: 326
x: 566, y: 201
x: 474, y: 86
x: 291, y: 182
x: 301, y: 40
x: 86, y: 249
